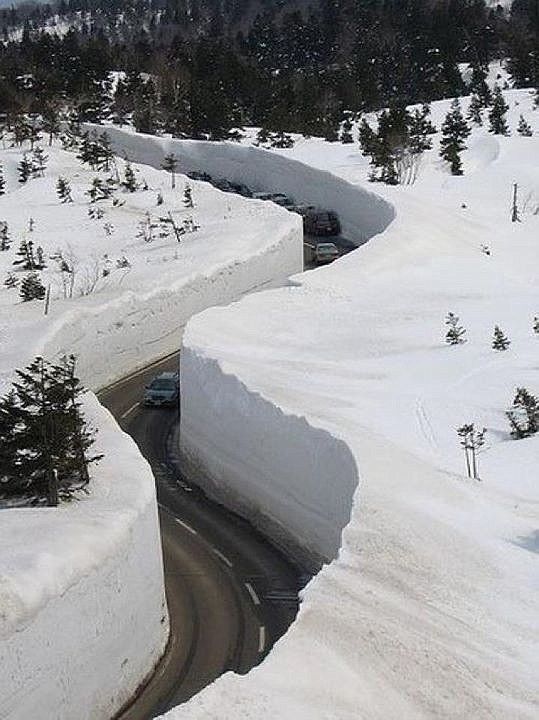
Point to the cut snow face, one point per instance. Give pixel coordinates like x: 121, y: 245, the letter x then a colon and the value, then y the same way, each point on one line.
x: 430, y: 610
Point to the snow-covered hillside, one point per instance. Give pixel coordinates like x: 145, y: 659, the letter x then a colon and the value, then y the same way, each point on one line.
x: 430, y: 608
x: 77, y: 580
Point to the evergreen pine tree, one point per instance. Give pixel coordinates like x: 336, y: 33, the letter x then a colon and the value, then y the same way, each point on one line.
x: 2, y: 181
x: 31, y: 288
x: 63, y: 190
x: 281, y: 139
x: 346, y: 131
x: 34, y: 134
x: 99, y: 190
x: 5, y: 240
x: 368, y: 140
x: 455, y: 334
x: 454, y: 132
x: 170, y: 164
x: 263, y: 136
x: 104, y: 152
x: 474, y: 111
x: 85, y: 148
x: 524, y: 128
x: 419, y: 130
x: 25, y: 255
x: 188, y: 197
x: 536, y: 325
x: 42, y: 424
x: 25, y: 169
x: 51, y: 119
x: 500, y: 341
x: 39, y: 162
x: 129, y: 182
x: 479, y: 87
x: 524, y: 415
x: 496, y: 116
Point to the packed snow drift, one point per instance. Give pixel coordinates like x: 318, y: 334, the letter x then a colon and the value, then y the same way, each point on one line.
x: 429, y: 609
x: 83, y: 617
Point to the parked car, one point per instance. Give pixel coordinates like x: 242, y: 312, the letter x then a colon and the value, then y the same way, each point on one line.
x: 224, y: 185
x: 262, y: 195
x: 281, y: 199
x: 325, y: 253
x: 163, y: 390
x: 321, y: 222
x: 242, y: 189
x: 195, y: 175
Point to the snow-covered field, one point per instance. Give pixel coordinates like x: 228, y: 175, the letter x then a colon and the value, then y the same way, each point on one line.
x: 430, y: 608
x: 82, y: 612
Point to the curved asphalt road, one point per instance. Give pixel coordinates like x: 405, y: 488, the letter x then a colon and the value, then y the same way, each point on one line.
x: 230, y: 593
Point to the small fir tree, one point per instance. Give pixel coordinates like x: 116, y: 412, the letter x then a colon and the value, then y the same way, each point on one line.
x: 524, y: 414
x: 474, y: 111
x: 188, y: 197
x: 39, y: 162
x: 419, y: 130
x: 31, y: 288
x: 104, y: 152
x: 536, y: 325
x: 454, y: 132
x: 498, y: 123
x: 282, y: 140
x: 99, y: 190
x: 129, y: 183
x: 63, y: 190
x: 5, y: 240
x: 25, y: 169
x: 25, y: 255
x: 368, y: 140
x: 346, y: 131
x: 170, y: 164
x: 500, y: 341
x: 263, y: 137
x: 455, y: 334
x: 524, y: 129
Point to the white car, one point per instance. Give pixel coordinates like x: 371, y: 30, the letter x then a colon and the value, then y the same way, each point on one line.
x: 325, y: 253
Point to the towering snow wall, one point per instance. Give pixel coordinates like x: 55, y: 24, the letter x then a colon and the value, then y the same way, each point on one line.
x: 84, y: 618
x: 362, y: 213
x: 293, y: 481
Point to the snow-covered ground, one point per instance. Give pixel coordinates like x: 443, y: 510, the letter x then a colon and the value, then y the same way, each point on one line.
x: 430, y: 608
x: 82, y: 611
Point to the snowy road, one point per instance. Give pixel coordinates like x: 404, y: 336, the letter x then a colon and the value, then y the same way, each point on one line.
x: 230, y: 594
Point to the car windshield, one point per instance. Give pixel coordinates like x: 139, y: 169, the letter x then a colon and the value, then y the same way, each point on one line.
x: 163, y: 385
x: 327, y: 248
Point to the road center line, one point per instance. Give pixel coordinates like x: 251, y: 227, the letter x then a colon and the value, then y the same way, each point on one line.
x: 186, y: 526
x: 261, y: 638
x: 252, y: 593
x: 128, y: 412
x: 222, y: 557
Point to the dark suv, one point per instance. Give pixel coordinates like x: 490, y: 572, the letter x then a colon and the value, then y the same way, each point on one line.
x: 321, y: 222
